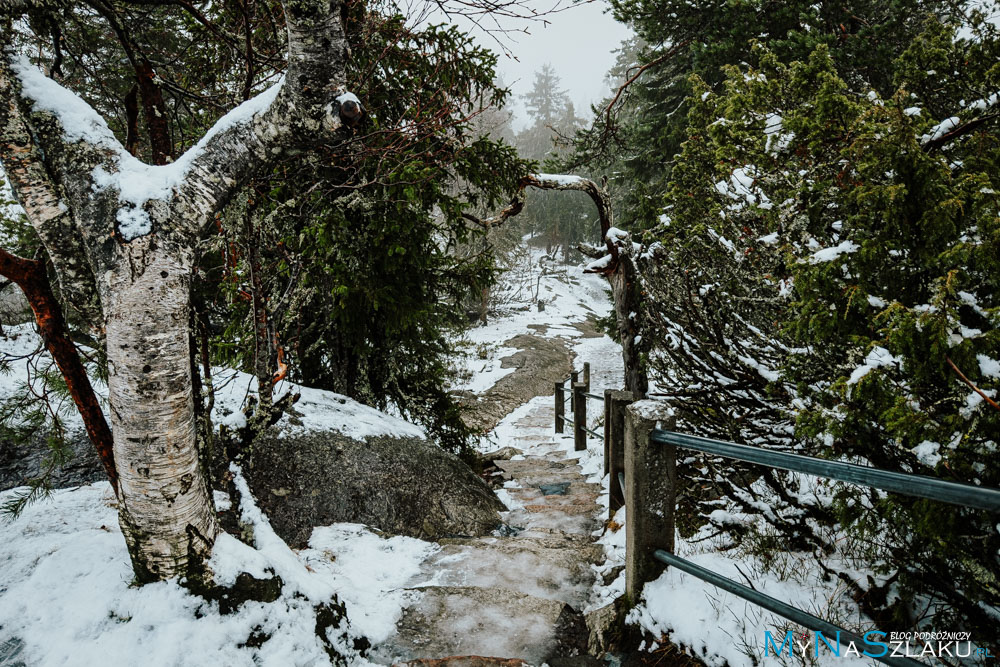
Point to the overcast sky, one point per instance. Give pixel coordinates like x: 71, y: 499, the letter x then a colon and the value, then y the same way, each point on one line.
x: 578, y: 42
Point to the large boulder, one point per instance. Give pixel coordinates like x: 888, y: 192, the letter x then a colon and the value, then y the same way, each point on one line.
x: 403, y: 485
x: 20, y: 462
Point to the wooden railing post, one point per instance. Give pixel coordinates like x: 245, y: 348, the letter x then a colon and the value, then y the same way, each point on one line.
x: 650, y: 494
x: 579, y: 417
x: 574, y: 377
x: 560, y: 406
x: 614, y: 431
x: 586, y: 374
x: 607, y: 431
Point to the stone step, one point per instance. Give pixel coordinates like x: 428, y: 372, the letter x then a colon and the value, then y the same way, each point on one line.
x: 493, y: 622
x: 463, y: 661
x: 521, y: 520
x: 537, y: 464
x: 555, y: 569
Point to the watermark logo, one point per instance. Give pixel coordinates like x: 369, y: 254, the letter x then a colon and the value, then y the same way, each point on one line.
x: 875, y: 644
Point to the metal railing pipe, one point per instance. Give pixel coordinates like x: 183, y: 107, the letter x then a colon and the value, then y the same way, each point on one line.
x: 920, y: 486
x: 807, y: 620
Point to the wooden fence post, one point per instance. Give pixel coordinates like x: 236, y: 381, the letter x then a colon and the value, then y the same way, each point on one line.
x: 607, y: 431
x: 586, y: 374
x: 579, y: 417
x: 574, y: 377
x: 560, y: 406
x: 614, y: 429
x: 650, y: 494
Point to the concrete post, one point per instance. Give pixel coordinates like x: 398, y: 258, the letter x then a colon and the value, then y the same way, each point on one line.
x: 560, y: 406
x: 650, y: 494
x: 579, y: 417
x: 614, y: 428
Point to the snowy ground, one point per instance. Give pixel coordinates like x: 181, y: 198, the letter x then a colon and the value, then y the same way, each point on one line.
x: 66, y: 594
x: 570, y: 297
x: 65, y: 581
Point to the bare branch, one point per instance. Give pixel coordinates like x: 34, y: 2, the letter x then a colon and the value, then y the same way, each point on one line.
x: 670, y: 53
x: 30, y: 276
x: 967, y: 381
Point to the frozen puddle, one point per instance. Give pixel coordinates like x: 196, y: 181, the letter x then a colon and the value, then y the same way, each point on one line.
x: 517, y: 595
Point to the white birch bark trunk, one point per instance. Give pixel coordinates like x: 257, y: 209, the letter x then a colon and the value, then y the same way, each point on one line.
x: 166, y: 510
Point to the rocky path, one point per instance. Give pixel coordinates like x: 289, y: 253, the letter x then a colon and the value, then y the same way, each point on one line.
x: 516, y: 596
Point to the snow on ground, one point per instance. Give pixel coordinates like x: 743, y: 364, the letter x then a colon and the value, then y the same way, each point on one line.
x: 65, y: 582
x: 316, y: 410
x: 66, y: 594
x: 726, y: 630
x: 570, y: 297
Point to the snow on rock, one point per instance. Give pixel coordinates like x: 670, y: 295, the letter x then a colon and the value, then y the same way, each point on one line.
x: 316, y: 410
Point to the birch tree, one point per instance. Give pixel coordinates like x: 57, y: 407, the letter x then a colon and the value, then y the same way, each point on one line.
x: 121, y: 237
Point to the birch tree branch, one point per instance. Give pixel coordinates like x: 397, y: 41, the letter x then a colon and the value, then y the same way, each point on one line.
x: 39, y: 195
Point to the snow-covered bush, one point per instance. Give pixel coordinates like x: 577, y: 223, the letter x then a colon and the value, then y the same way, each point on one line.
x: 828, y: 283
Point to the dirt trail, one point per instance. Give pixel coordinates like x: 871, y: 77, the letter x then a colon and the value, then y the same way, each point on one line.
x: 539, y: 362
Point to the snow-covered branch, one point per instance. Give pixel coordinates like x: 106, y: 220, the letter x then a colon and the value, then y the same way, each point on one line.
x: 556, y: 182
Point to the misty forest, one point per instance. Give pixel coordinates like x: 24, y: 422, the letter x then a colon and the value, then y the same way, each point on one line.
x: 480, y: 333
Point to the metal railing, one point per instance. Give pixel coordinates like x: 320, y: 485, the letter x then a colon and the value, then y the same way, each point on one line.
x: 648, y: 486
x: 650, y: 483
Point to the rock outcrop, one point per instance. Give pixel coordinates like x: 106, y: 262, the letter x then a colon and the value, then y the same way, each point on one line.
x: 401, y: 485
x: 21, y: 462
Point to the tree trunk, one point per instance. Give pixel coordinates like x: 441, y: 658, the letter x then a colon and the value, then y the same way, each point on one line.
x: 624, y: 287
x: 166, y: 511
